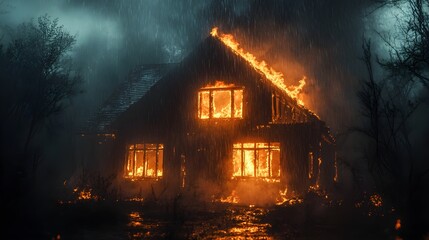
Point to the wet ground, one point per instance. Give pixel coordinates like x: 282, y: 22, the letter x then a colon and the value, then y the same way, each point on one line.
x: 137, y: 220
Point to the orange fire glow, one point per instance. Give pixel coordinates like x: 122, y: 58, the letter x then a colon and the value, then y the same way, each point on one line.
x: 275, y: 77
x: 283, y: 199
x: 398, y: 224
x: 220, y: 100
x: 233, y: 198
x: 335, y: 168
x: 145, y: 160
x: 135, y: 219
x: 84, y: 194
x: 376, y: 200
x: 256, y: 160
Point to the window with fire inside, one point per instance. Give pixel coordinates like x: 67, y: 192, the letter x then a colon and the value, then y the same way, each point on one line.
x: 256, y: 160
x: 220, y: 101
x: 144, y: 160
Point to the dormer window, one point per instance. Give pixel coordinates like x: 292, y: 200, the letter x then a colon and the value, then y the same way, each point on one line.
x: 220, y: 101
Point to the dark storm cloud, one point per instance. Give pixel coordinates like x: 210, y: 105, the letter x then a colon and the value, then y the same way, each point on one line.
x: 319, y: 39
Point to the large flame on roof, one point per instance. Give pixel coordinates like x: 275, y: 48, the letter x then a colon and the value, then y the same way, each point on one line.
x: 275, y: 77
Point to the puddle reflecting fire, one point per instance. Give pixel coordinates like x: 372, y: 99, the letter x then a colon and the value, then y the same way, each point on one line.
x: 232, y: 222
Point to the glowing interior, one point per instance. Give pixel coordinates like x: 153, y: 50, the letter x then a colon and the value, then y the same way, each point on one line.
x: 256, y: 160
x: 220, y: 101
x: 145, y: 160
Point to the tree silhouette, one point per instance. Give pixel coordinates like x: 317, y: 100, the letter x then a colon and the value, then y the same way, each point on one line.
x: 388, y: 104
x: 37, y: 81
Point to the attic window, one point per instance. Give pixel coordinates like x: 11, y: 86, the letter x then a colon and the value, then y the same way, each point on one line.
x: 145, y: 160
x: 256, y: 160
x: 220, y: 101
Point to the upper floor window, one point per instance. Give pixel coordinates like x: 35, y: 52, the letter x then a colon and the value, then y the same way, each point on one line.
x: 145, y: 160
x: 220, y: 101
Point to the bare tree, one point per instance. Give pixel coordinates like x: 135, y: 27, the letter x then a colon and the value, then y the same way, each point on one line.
x: 387, y: 110
x: 37, y: 79
x: 389, y: 103
x: 412, y: 53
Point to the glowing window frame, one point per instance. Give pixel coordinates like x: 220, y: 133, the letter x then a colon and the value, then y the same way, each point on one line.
x: 131, y: 163
x: 272, y: 146
x: 210, y: 90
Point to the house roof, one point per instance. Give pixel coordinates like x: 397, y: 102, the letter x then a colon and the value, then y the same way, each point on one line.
x: 211, y: 56
x: 139, y: 81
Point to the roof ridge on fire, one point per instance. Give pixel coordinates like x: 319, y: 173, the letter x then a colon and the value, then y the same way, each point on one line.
x: 170, y: 86
x: 266, y: 80
x: 138, y: 83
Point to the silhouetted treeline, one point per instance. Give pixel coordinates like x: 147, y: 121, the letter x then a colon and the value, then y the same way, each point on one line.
x: 37, y: 81
x: 393, y: 104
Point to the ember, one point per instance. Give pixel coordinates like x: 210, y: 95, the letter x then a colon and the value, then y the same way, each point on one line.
x: 398, y: 224
x: 376, y: 200
x: 135, y: 219
x: 84, y: 194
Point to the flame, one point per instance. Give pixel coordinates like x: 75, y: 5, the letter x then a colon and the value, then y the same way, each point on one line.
x: 275, y: 77
x: 220, y: 100
x: 398, y: 224
x: 260, y: 160
x: 84, y: 194
x: 220, y: 84
x: 144, y: 160
x: 135, y: 219
x: 233, y: 198
x: 282, y: 199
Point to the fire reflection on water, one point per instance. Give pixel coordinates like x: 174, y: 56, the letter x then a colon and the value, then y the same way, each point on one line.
x: 233, y: 222
x: 139, y: 228
x: 247, y: 225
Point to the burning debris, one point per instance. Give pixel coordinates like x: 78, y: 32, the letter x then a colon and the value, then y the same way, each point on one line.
x: 84, y: 194
x: 232, y: 198
x: 284, y: 200
x: 398, y: 224
x: 376, y: 200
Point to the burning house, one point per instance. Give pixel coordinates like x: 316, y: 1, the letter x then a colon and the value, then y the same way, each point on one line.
x: 219, y: 115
